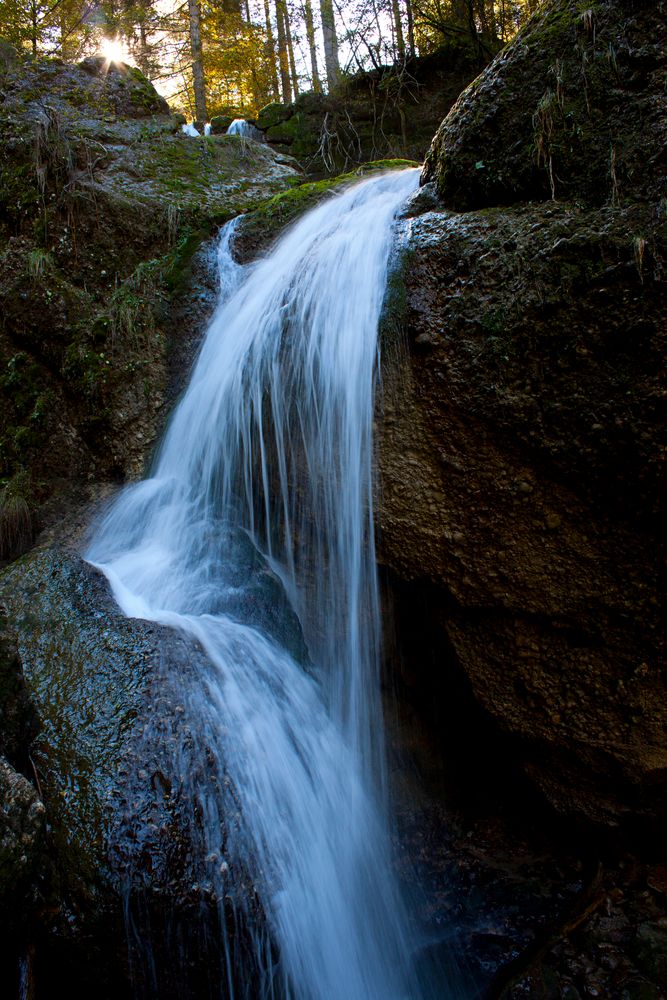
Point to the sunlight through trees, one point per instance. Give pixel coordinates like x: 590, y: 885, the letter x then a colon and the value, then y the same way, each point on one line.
x: 231, y: 57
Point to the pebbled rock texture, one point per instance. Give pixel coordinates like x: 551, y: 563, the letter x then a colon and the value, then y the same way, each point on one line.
x: 522, y: 439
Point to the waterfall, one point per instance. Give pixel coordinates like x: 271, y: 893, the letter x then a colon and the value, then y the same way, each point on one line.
x: 268, y: 458
x: 189, y: 129
x: 241, y: 127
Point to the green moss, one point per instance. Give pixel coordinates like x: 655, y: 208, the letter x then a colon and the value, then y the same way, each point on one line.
x: 26, y: 414
x: 19, y: 196
x: 86, y: 369
x: 38, y: 262
x: 273, y: 215
x: 271, y: 115
x: 395, y: 305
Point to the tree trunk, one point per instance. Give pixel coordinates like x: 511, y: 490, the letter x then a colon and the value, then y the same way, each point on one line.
x: 33, y: 24
x: 398, y: 27
x: 330, y: 43
x: 290, y: 51
x: 481, y: 13
x: 194, y: 13
x: 283, y: 56
x: 271, y: 51
x: 460, y: 11
x: 143, y: 18
x: 411, y: 29
x: 492, y: 27
x: 310, y: 35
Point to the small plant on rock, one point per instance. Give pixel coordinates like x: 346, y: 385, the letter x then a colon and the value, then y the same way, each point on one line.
x: 16, y: 521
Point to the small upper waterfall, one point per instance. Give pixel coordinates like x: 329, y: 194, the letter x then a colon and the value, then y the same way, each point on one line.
x: 241, y: 127
x: 271, y: 450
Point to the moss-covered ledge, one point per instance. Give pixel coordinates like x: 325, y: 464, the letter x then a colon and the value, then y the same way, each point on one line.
x: 262, y: 226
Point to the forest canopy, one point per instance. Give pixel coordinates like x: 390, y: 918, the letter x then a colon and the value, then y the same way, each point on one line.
x: 232, y: 57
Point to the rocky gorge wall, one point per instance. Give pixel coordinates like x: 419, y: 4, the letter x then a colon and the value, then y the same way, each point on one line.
x: 520, y: 448
x: 103, y: 205
x: 522, y: 435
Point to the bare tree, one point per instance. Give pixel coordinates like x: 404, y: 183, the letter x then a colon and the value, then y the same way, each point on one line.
x: 271, y: 50
x: 312, y: 46
x: 194, y: 14
x: 283, y: 54
x: 330, y: 43
x: 398, y: 30
x: 412, y: 51
x: 290, y: 52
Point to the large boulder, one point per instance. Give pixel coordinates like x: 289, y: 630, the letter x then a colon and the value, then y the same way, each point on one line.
x: 523, y: 437
x: 124, y: 89
x: 21, y: 843
x: 18, y: 719
x: 574, y: 107
x: 128, y: 782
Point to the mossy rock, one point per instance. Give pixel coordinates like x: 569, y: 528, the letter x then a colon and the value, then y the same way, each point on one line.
x: 93, y: 675
x: 220, y: 124
x: 21, y: 843
x: 90, y: 264
x: 261, y: 227
x: 18, y: 719
x: 311, y: 103
x: 8, y: 55
x: 572, y: 108
x: 272, y: 115
x: 86, y: 667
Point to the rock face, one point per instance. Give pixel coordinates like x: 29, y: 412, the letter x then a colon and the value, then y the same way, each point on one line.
x: 98, y: 682
x: 103, y: 202
x: 551, y: 117
x: 523, y: 445
x: 21, y: 832
x: 125, y: 786
x: 21, y: 811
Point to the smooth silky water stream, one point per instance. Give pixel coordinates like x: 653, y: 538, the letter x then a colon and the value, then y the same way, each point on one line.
x: 271, y: 446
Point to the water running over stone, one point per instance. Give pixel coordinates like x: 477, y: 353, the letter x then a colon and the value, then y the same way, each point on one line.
x: 244, y: 128
x: 262, y: 489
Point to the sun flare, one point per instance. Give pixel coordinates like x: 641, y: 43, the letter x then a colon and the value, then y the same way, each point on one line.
x: 114, y: 51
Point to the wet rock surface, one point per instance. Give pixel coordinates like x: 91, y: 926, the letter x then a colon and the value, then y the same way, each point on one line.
x: 522, y: 462
x: 125, y: 786
x: 522, y: 448
x: 94, y: 677
x: 512, y: 899
x: 21, y: 836
x: 522, y: 457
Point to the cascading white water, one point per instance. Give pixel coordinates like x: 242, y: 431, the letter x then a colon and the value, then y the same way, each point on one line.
x: 241, y: 127
x: 274, y: 437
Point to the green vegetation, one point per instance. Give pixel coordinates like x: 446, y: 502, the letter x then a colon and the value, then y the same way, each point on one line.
x: 16, y: 516
x: 39, y: 262
x: 267, y: 221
